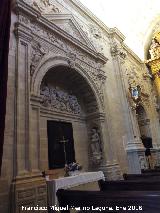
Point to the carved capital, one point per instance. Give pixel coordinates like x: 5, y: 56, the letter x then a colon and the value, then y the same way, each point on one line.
x: 117, y: 50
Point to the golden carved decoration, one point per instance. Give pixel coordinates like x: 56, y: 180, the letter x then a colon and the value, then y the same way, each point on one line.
x: 157, y: 36
x: 154, y: 61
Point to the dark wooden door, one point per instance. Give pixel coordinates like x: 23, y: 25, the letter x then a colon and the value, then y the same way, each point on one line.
x: 57, y: 132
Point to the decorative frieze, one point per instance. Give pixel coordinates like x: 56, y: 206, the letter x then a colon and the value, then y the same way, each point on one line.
x: 43, y: 6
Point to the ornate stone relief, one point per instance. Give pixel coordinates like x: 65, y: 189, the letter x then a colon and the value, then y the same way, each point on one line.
x: 96, y: 32
x: 96, y: 36
x: 23, y: 20
x: 43, y: 6
x: 87, y: 60
x: 70, y: 28
x: 117, y: 50
x: 71, y: 59
x: 57, y: 99
x: 36, y: 56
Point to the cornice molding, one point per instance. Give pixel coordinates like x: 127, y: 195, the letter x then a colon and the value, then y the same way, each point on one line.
x: 115, y: 33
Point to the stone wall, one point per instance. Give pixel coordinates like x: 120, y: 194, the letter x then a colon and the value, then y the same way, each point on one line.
x: 44, y: 37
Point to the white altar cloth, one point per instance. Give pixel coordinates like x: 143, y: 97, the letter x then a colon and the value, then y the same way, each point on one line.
x: 68, y: 182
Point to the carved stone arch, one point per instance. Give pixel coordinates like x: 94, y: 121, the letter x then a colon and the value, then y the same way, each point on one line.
x: 91, y: 108
x: 92, y: 84
x: 55, y: 61
x: 42, y: 69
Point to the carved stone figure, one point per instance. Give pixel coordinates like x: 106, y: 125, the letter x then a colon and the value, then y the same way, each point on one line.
x: 95, y: 147
x: 95, y: 142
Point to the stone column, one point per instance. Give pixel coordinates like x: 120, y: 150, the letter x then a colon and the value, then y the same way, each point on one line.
x: 109, y: 164
x: 133, y: 145
x: 28, y: 187
x: 22, y: 104
x: 35, y: 136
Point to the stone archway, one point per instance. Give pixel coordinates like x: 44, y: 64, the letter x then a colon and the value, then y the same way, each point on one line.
x: 54, y: 87
x: 94, y: 80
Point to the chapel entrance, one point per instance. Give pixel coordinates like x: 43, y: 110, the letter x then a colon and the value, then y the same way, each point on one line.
x: 60, y: 144
x: 68, y: 111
